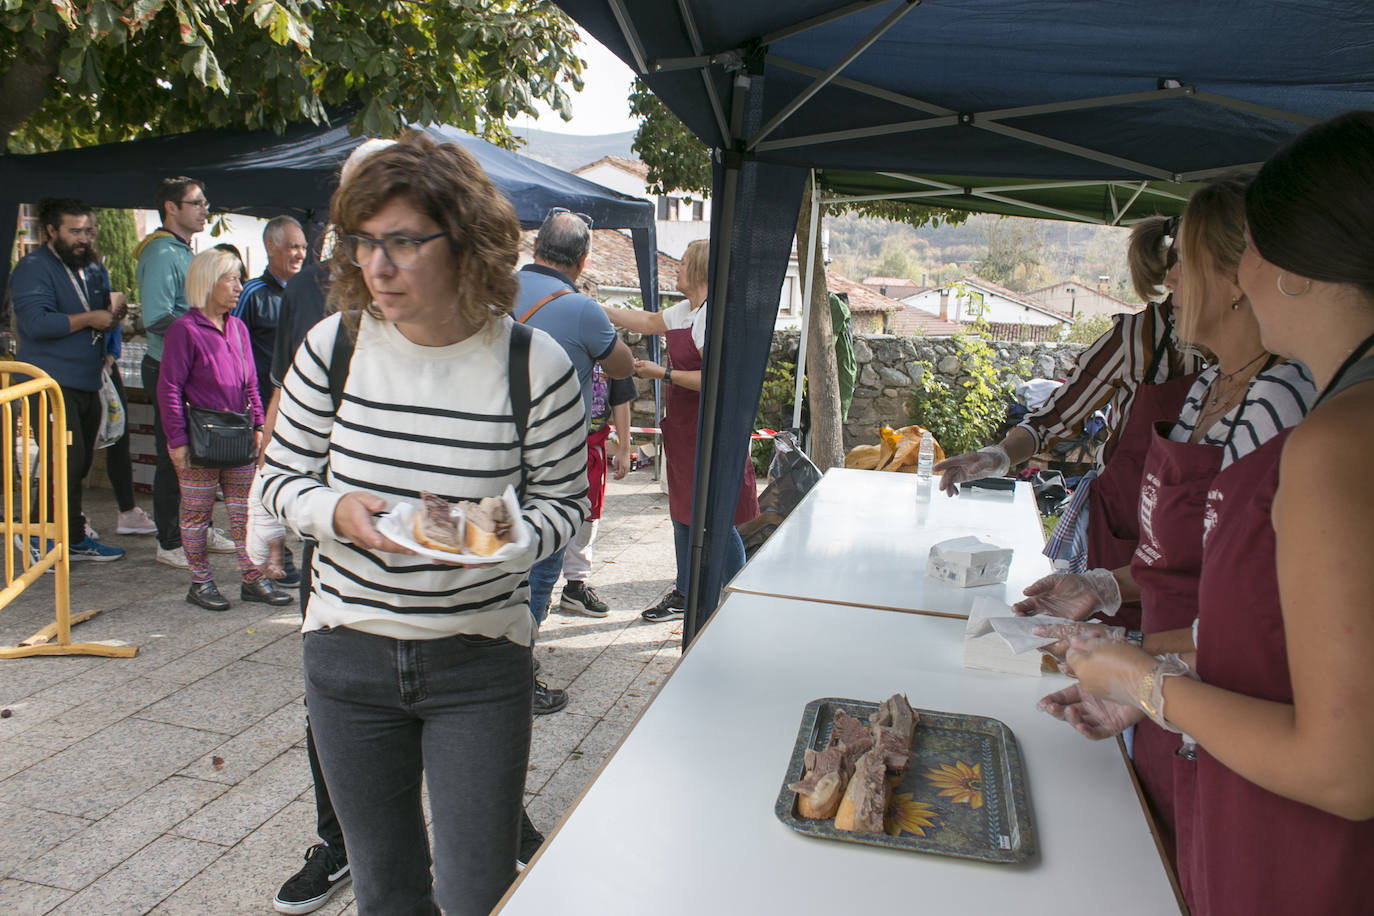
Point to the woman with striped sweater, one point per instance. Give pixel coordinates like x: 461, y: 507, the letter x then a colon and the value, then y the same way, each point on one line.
x: 415, y: 667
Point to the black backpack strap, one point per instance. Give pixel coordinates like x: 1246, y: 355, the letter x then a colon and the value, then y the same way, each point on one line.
x: 519, y: 372
x: 339, y: 362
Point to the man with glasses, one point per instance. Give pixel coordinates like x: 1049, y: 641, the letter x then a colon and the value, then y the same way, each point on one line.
x: 548, y: 299
x: 62, y: 309
x: 162, y: 261
x: 259, y: 308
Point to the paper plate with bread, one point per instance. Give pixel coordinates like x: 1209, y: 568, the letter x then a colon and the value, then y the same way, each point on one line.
x: 480, y: 533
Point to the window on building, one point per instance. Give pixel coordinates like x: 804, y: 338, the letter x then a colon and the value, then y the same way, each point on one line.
x: 668, y: 207
x: 698, y: 209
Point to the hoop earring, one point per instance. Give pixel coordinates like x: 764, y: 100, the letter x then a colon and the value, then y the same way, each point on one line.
x: 1278, y: 281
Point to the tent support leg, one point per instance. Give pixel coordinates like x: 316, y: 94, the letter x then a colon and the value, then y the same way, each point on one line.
x: 715, y: 345
x: 806, y: 302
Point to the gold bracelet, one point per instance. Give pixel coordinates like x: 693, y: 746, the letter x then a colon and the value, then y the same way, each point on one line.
x: 1143, y: 694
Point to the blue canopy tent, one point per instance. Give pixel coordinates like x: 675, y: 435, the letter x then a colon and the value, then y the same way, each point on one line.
x: 260, y: 173
x: 1057, y: 91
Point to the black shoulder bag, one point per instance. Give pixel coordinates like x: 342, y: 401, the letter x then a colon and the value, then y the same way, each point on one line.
x: 221, y: 438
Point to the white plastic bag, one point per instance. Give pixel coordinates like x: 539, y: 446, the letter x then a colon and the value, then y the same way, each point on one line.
x: 112, y: 417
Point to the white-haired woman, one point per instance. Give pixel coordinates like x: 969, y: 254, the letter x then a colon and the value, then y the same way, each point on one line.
x: 207, y: 362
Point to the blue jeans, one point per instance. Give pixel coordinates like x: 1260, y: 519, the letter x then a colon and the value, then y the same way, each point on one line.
x: 455, y: 711
x: 734, y: 554
x: 543, y: 575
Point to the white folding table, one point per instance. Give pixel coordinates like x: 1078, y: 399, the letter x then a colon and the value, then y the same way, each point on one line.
x: 862, y: 538
x: 680, y: 819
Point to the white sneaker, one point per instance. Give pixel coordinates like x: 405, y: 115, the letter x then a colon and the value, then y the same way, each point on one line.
x: 216, y: 542
x: 135, y: 521
x: 174, y: 558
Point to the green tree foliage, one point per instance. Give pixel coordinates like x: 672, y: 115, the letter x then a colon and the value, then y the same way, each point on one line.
x: 116, y: 242
x: 1015, y: 252
x: 676, y: 159
x: 1087, y: 328
x: 78, y: 72
x: 964, y: 415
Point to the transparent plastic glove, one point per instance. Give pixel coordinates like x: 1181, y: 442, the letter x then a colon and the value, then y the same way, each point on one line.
x: 1063, y: 632
x: 1109, y: 670
x: 1090, y: 716
x: 989, y: 461
x: 1075, y: 596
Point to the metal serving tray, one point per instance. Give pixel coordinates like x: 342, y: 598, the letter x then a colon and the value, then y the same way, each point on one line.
x: 964, y: 793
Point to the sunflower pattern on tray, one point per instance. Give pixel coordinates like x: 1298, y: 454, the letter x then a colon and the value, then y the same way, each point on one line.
x: 961, y: 783
x: 955, y: 788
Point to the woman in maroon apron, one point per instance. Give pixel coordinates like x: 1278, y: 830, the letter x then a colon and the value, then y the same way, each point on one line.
x: 684, y: 329
x: 1282, y: 817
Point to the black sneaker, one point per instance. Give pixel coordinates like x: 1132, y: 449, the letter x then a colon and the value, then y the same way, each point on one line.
x: 530, y: 841
x: 308, y: 889
x: 548, y: 700
x: 290, y: 575
x: 579, y: 597
x: 671, y: 607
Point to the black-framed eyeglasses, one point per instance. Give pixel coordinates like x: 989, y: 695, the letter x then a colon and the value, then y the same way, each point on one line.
x: 202, y: 203
x: 401, y: 250
x: 582, y: 216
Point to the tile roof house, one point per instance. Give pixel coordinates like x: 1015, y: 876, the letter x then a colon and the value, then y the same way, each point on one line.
x: 893, y: 287
x: 1078, y: 299
x: 1010, y: 315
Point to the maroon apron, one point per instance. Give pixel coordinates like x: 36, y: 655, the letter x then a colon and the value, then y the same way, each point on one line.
x: 1114, y: 497
x: 679, y: 430
x: 1246, y: 850
x: 1166, y: 566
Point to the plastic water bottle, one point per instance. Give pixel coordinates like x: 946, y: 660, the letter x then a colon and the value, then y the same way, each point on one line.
x: 925, y: 456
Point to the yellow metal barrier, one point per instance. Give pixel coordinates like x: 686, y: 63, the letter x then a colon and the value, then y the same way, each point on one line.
x: 35, y: 444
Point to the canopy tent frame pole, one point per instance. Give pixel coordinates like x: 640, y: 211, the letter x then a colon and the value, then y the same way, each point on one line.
x: 820, y: 82
x: 814, y: 243
x: 807, y: 25
x: 630, y: 34
x: 694, y: 36
x: 712, y: 368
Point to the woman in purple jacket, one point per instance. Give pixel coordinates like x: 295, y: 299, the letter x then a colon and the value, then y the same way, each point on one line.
x: 207, y: 361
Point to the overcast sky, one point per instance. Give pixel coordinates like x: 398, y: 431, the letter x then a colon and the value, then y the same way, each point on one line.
x: 602, y: 107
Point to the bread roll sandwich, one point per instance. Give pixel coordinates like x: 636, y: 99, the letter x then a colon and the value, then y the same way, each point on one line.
x: 436, y: 525
x: 487, y: 525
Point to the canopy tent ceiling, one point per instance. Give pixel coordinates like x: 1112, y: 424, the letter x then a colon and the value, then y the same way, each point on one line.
x: 260, y: 173
x: 1047, y: 90
x: 1077, y: 89
x: 1107, y: 203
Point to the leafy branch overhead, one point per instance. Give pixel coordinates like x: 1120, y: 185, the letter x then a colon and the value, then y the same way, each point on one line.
x: 678, y: 162
x: 79, y: 72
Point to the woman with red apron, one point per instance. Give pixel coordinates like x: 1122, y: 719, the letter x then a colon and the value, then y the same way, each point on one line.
x: 1282, y: 815
x: 1114, y: 498
x: 683, y: 327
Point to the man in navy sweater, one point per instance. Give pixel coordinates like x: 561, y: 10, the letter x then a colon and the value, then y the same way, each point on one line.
x: 62, y: 309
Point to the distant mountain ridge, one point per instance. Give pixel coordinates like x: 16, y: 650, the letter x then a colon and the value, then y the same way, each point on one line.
x: 571, y: 151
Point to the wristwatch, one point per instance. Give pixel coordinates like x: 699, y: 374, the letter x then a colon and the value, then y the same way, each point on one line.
x: 667, y: 375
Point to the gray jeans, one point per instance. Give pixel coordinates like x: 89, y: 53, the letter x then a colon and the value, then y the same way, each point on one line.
x: 457, y: 711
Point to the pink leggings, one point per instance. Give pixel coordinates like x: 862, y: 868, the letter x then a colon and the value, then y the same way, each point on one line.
x: 197, y: 505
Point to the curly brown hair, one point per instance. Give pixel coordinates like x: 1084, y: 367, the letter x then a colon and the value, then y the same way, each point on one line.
x: 444, y: 182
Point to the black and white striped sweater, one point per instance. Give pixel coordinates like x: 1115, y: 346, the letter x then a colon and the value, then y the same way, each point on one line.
x: 425, y: 418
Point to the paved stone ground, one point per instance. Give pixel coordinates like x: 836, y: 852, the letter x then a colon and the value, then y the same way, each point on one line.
x: 111, y: 800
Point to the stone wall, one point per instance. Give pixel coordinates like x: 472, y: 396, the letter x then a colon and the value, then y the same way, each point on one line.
x: 887, y: 371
